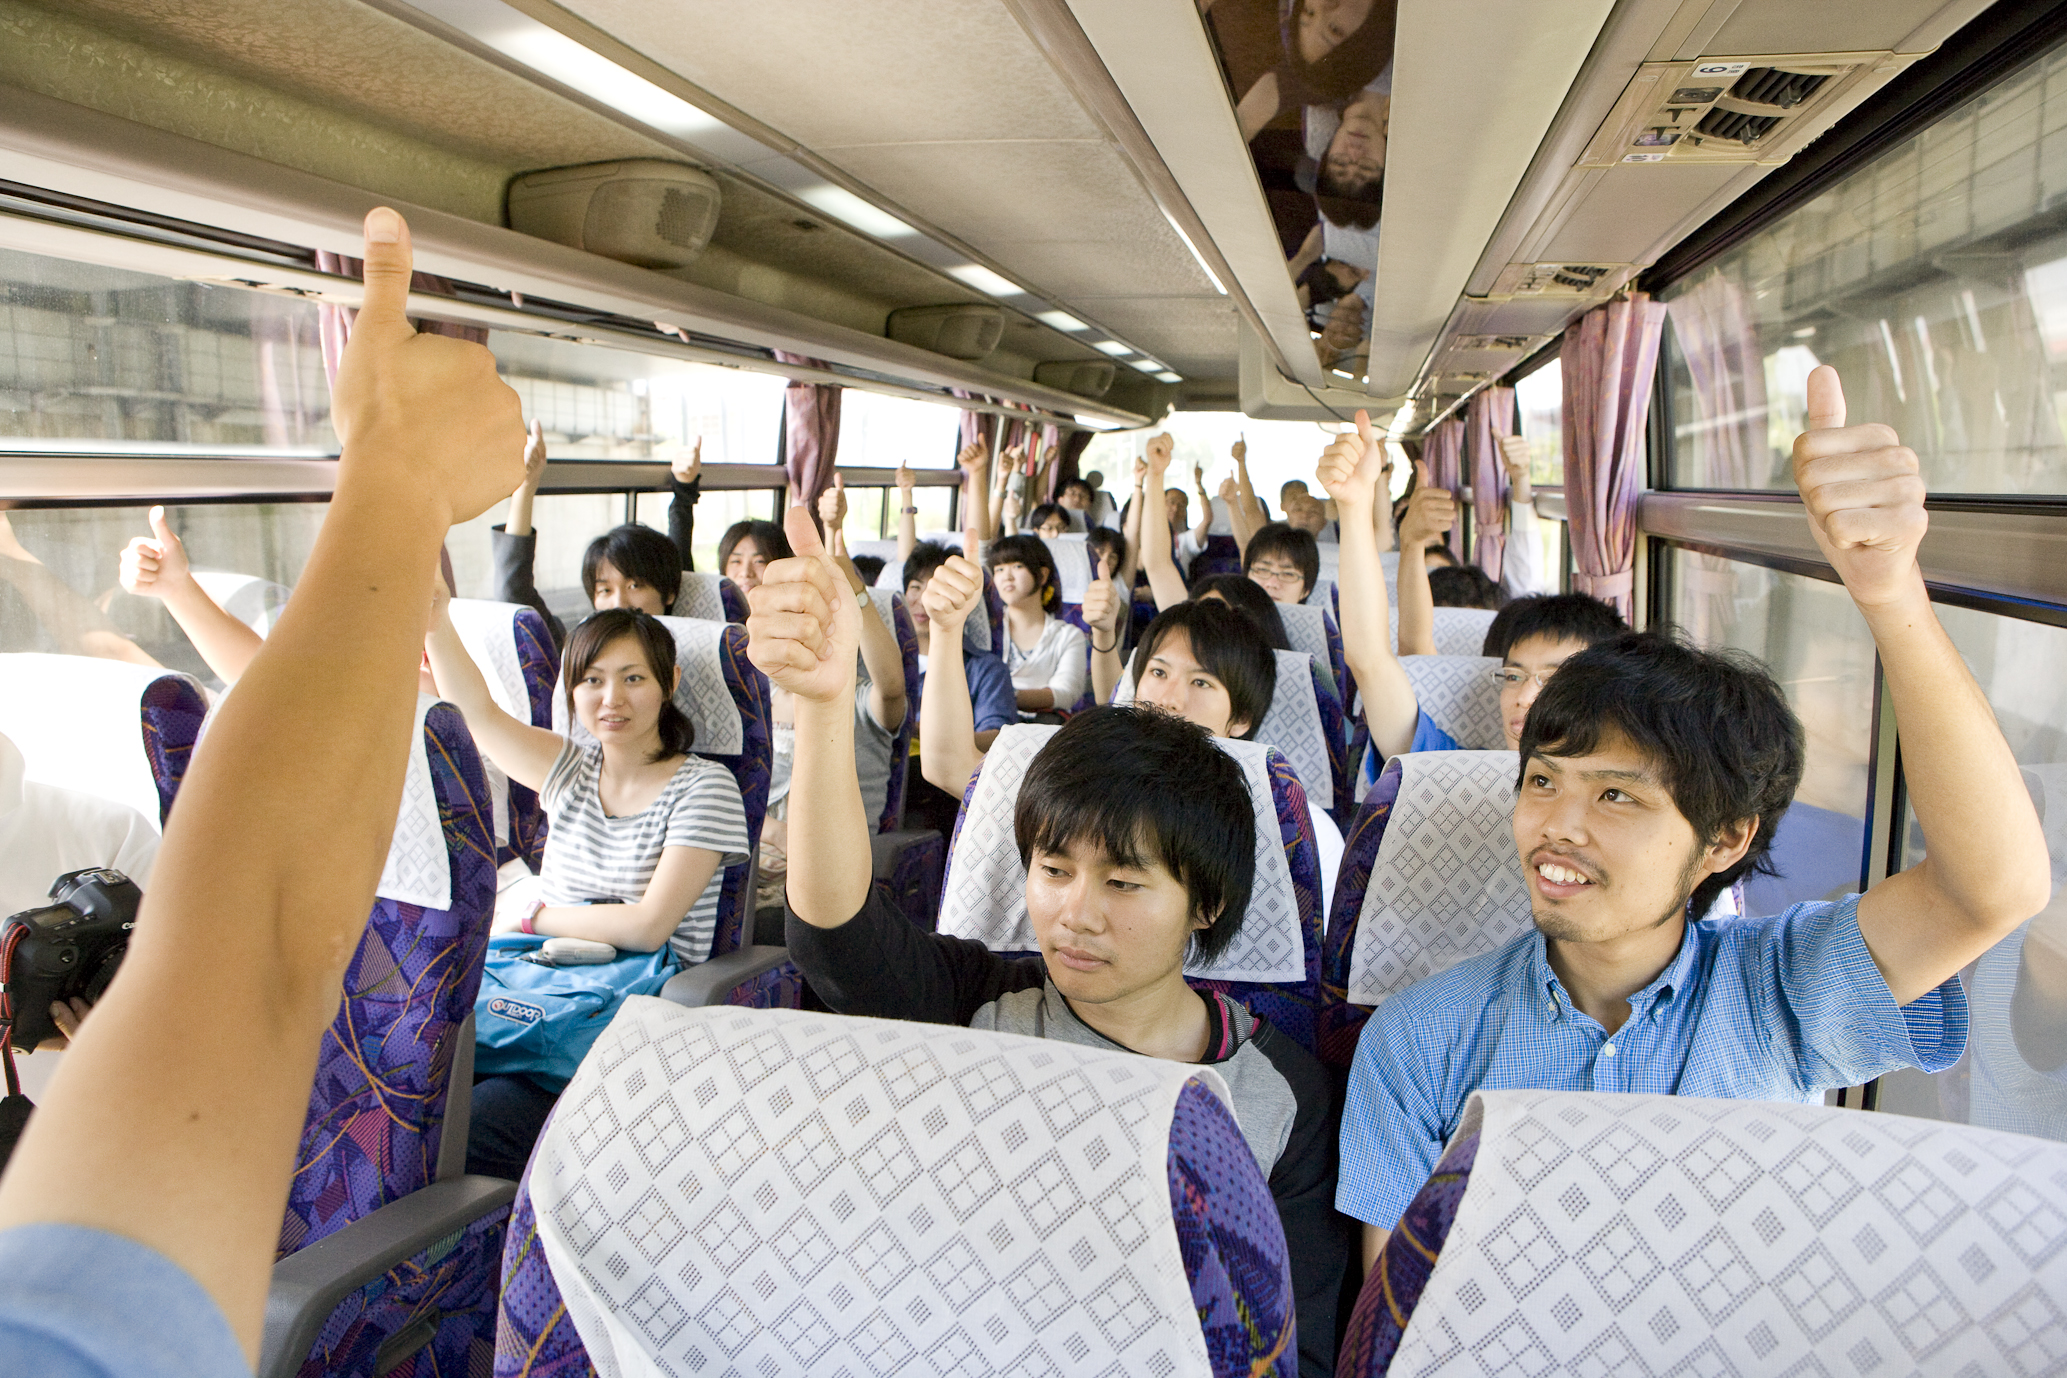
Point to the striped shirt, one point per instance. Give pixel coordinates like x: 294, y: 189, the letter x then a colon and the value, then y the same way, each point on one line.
x: 591, y: 856
x: 1775, y: 1009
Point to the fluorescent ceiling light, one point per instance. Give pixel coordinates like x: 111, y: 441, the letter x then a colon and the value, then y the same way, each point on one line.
x: 1061, y: 320
x: 841, y: 204
x: 1112, y: 347
x: 987, y: 282
x: 1168, y: 377
x: 1197, y: 257
x: 1145, y: 365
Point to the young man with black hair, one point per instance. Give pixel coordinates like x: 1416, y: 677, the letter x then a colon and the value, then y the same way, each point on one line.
x: 1285, y: 560
x: 1125, y: 878
x: 1654, y: 775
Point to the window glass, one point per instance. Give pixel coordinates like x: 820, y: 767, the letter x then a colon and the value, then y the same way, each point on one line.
x: 91, y: 356
x: 883, y: 432
x: 1817, y: 646
x: 2014, y: 1074
x: 715, y: 511
x: 1540, y: 398
x: 1278, y: 452
x: 599, y: 403
x: 1934, y: 278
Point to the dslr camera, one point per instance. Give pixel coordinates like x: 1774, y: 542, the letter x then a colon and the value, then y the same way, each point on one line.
x: 69, y: 947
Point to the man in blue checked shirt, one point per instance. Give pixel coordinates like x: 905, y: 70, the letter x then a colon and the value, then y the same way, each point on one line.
x: 1653, y: 775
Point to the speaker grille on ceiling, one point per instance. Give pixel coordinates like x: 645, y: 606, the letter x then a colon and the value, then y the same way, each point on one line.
x: 682, y: 219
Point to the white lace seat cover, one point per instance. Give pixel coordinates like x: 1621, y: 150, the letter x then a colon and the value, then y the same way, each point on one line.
x: 985, y: 894
x: 737, y: 1191
x: 418, y: 869
x: 1459, y: 696
x: 701, y: 597
x: 702, y: 694
x: 1446, y: 884
x: 1074, y: 567
x: 1292, y: 724
x: 489, y: 632
x: 1625, y: 1234
x: 1307, y: 630
x: 78, y: 723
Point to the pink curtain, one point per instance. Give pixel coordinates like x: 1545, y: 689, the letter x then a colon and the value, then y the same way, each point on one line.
x: 1073, y: 446
x: 1489, y: 417
x: 1610, y: 358
x: 811, y: 435
x: 1725, y: 440
x: 1443, y: 451
x: 334, y: 323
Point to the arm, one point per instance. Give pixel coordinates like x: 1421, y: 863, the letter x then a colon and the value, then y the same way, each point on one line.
x: 685, y: 482
x: 879, y: 653
x: 1430, y: 515
x: 157, y: 568
x: 1103, y: 603
x: 1238, y: 514
x: 1987, y: 871
x: 948, y: 753
x: 518, y: 522
x: 1259, y: 107
x: 1130, y: 527
x: 977, y: 485
x: 1521, y: 561
x: 680, y: 877
x: 1309, y: 248
x: 1163, y: 579
x: 525, y: 753
x: 907, y: 513
x: 1251, y: 509
x: 515, y: 543
x: 1066, y: 685
x: 1205, y: 527
x: 144, y: 1135
x: 1349, y: 470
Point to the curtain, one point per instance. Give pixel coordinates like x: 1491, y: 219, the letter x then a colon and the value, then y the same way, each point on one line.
x: 1724, y: 444
x: 1489, y: 417
x: 1073, y: 446
x: 334, y: 323
x: 810, y: 434
x: 1442, y: 449
x: 1610, y: 358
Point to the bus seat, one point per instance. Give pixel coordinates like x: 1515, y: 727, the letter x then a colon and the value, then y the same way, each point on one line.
x: 1575, y: 1232
x: 1458, y: 695
x: 727, y: 699
x: 886, y: 551
x: 1273, y: 965
x: 1074, y: 569
x: 251, y: 600
x: 515, y: 652
x: 793, y: 1193
x: 117, y: 731
x: 367, y: 1261
x: 1220, y: 555
x: 890, y: 607
x: 710, y: 597
x: 1456, y: 631
x: 1313, y: 629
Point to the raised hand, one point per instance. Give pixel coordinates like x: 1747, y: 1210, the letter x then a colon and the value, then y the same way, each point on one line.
x: 1230, y: 491
x: 1345, y: 328
x: 1101, y: 606
x: 1431, y: 512
x: 805, y: 627
x: 534, y: 459
x: 1240, y: 451
x: 955, y: 591
x: 1514, y: 457
x: 972, y: 457
x: 1353, y: 466
x: 686, y: 468
x: 832, y: 504
x: 906, y: 481
x: 421, y: 417
x: 156, y: 565
x: 1864, y: 492
x: 1158, y: 452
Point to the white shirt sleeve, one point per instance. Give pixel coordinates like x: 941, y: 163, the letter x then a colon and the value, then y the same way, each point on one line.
x: 1328, y: 841
x: 1072, y: 665
x: 1521, y: 562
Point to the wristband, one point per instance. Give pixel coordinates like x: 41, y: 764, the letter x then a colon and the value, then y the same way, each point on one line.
x: 909, y: 511
x: 528, y: 923
x: 1105, y: 650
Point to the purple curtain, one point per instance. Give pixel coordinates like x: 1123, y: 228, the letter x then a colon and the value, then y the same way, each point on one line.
x: 1073, y: 446
x: 1489, y: 417
x: 334, y: 323
x: 811, y: 435
x: 1609, y: 360
x: 1443, y: 451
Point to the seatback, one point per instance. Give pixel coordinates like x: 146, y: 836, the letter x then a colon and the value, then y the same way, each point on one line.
x: 710, y: 598
x: 1461, y: 631
x: 1074, y: 567
x: 890, y: 606
x: 1572, y: 1232
x: 1429, y: 878
x: 117, y: 731
x: 376, y: 1117
x: 1459, y: 696
x: 727, y: 699
x: 1272, y: 966
x: 1221, y: 554
x: 1313, y: 629
x: 515, y: 652
x: 805, y: 1193
x: 886, y: 551
x: 251, y: 600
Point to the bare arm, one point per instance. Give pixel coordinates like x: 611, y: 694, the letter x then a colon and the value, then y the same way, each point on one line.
x: 680, y: 877
x: 525, y: 753
x: 1349, y: 470
x: 187, y: 1144
x: 907, y: 520
x: 1259, y: 107
x: 1103, y: 606
x: 518, y: 523
x: 1430, y: 515
x: 1163, y: 579
x: 156, y: 567
x: 803, y: 634
x: 1987, y: 870
x: 1374, y: 1245
x: 948, y: 748
x: 879, y: 653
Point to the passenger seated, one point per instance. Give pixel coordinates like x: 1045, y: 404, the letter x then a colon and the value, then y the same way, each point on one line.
x: 1285, y: 560
x: 1161, y: 560
x: 639, y: 828
x: 1653, y: 776
x: 1463, y: 586
x: 1049, y: 519
x: 630, y: 566
x: 1247, y: 597
x: 992, y: 702
x: 1125, y: 876
x: 1045, y: 654
x: 870, y: 566
x: 156, y: 566
x: 1557, y: 628
x: 749, y: 547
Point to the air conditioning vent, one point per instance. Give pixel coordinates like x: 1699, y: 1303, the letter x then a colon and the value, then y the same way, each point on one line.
x: 642, y: 211
x: 1772, y: 86
x: 1508, y: 343
x: 1733, y: 124
x: 1559, y: 279
x: 965, y: 330
x: 1084, y: 377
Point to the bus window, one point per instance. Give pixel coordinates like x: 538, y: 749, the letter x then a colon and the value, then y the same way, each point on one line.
x: 1540, y: 399
x: 716, y: 510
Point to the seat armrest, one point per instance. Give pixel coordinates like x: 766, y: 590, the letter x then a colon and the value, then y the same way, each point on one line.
x: 308, y: 1285
x: 708, y: 983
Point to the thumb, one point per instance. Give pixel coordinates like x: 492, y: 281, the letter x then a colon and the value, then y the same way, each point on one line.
x: 1826, y: 399
x: 1363, y: 426
x: 1105, y: 569
x: 161, y: 530
x: 840, y: 482
x: 803, y: 536
x: 388, y: 264
x: 969, y: 544
x: 1422, y: 478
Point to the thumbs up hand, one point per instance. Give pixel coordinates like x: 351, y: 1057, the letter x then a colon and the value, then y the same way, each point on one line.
x: 1864, y: 492
x: 832, y: 504
x: 805, y: 627
x: 1430, y: 513
x: 955, y: 591
x: 1102, y: 599
x: 155, y: 566
x: 1353, y: 465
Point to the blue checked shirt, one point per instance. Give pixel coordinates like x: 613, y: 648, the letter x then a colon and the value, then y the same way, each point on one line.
x: 1751, y: 1009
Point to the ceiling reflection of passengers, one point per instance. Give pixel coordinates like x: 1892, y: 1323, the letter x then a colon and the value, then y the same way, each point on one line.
x: 1328, y: 49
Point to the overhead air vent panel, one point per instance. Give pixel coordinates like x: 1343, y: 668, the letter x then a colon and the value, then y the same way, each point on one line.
x: 1726, y: 110
x: 1084, y: 377
x: 1560, y: 279
x: 643, y: 211
x: 962, y: 330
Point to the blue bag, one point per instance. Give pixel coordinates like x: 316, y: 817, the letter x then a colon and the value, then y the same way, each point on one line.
x: 540, y: 1021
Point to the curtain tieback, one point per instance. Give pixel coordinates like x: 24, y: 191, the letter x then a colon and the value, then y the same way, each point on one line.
x: 1605, y: 586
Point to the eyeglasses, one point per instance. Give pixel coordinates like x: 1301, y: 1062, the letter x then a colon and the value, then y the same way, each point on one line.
x: 1260, y: 572
x: 1508, y: 677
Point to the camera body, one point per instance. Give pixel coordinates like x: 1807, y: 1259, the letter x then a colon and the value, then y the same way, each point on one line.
x: 68, y: 948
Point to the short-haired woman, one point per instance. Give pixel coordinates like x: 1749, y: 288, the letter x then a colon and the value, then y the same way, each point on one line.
x: 1047, y: 656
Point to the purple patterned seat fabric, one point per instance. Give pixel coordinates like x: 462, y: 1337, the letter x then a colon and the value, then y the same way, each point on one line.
x: 173, y: 709
x: 900, y: 745
x: 1330, y: 704
x: 540, y: 663
x: 913, y: 883
x: 753, y: 768
x: 452, y: 1285
x: 734, y: 599
x: 1220, y: 556
x: 1394, y: 1287
x: 1341, y: 1022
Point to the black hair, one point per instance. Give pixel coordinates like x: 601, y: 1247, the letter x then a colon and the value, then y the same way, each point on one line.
x: 1321, y: 286
x: 1103, y: 540
x: 1713, y: 724
x: 868, y: 566
x: 1559, y: 616
x: 1033, y: 553
x: 1228, y: 646
x: 1090, y: 493
x: 925, y: 559
x: 1352, y: 209
x: 769, y: 540
x: 1248, y: 598
x: 1290, y: 543
x: 1464, y: 586
x: 1107, y: 777
x: 1441, y: 550
x: 677, y: 733
x: 638, y: 552
x: 1045, y: 511
x: 1344, y: 69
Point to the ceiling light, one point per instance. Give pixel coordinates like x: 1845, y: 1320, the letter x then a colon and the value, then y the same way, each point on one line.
x: 1145, y: 365
x: 1061, y: 320
x: 1168, y: 377
x: 1112, y: 347
x: 842, y: 204
x: 987, y: 282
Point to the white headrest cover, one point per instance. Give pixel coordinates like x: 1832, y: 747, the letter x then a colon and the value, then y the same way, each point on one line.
x: 1665, y: 1234
x: 78, y: 722
x: 1446, y: 884
x: 702, y: 694
x: 418, y: 868
x: 251, y: 600
x: 1073, y: 567
x: 701, y: 597
x: 885, y: 551
x: 772, y: 1191
x: 1460, y: 631
x: 1459, y: 696
x: 1307, y: 630
x: 489, y: 632
x: 985, y: 896
x: 1292, y: 724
